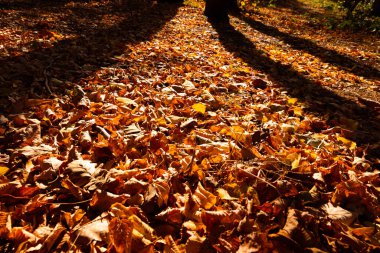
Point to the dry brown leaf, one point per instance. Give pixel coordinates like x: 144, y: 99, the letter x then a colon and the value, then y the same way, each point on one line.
x: 74, y: 189
x: 53, y: 238
x: 142, y: 228
x: 170, y: 245
x: 33, y: 151
x: 195, y: 243
x: 73, y: 219
x: 103, y: 200
x: 5, y: 224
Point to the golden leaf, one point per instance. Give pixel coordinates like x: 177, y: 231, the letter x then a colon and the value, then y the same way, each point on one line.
x: 348, y: 143
x: 296, y: 162
x: 3, y: 170
x: 239, y: 134
x: 199, y: 107
x: 204, y: 198
x: 292, y: 101
x: 297, y: 111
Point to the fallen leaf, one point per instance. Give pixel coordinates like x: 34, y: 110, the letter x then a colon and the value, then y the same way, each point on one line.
x: 204, y: 198
x: 338, y: 213
x: 120, y: 232
x: 199, y: 107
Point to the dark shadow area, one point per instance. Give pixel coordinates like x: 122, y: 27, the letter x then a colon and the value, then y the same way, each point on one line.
x: 318, y: 99
x: 94, y: 46
x: 326, y: 55
x: 22, y: 5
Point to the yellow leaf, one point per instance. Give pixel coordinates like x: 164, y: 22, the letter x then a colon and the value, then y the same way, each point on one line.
x: 237, y: 129
x: 199, y: 107
x: 161, y: 121
x: 204, y: 198
x: 297, y: 111
x: 3, y: 170
x: 296, y: 162
x: 348, y: 143
x: 216, y: 159
x: 292, y: 101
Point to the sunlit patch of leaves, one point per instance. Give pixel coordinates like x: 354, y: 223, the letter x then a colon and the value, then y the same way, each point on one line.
x: 179, y: 146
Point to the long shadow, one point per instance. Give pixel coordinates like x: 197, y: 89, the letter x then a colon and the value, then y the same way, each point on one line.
x: 319, y: 100
x: 91, y: 49
x: 326, y: 55
x: 22, y: 5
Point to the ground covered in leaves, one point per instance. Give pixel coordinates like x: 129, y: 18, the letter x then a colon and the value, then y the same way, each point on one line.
x: 143, y: 128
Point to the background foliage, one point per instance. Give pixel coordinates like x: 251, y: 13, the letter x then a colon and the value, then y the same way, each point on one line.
x: 337, y: 13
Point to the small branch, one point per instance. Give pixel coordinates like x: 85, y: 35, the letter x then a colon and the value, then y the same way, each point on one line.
x: 247, y: 173
x: 103, y: 132
x: 47, y: 82
x: 71, y: 203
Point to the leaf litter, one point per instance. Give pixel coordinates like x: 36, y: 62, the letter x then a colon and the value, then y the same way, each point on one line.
x: 178, y: 146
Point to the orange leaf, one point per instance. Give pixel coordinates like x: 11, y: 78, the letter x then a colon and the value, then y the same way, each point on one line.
x: 120, y: 232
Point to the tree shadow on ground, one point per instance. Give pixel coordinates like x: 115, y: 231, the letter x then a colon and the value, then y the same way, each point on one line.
x: 326, y: 55
x: 318, y: 99
x: 23, y: 5
x: 93, y: 45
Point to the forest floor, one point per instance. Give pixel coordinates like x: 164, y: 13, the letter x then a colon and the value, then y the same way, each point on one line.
x: 142, y: 128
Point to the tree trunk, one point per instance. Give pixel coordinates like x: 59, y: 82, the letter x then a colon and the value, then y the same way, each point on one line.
x: 376, y: 8
x: 218, y: 9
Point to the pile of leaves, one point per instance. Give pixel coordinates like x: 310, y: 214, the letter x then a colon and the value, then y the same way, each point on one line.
x: 177, y: 145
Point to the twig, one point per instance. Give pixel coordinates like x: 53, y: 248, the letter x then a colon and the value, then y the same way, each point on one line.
x: 71, y: 203
x: 247, y: 173
x: 103, y: 132
x: 47, y: 81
